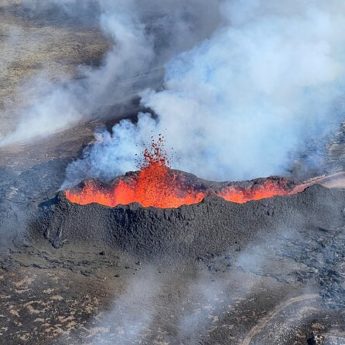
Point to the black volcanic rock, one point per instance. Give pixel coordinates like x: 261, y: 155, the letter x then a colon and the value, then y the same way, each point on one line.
x: 213, y: 226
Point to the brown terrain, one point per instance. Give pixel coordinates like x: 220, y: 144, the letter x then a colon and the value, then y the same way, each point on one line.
x: 276, y: 288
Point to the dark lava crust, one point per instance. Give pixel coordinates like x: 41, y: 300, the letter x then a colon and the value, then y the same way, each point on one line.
x: 213, y: 226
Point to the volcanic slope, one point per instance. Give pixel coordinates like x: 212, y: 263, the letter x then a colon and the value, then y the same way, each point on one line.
x: 280, y: 259
x: 268, y: 271
x: 212, y: 226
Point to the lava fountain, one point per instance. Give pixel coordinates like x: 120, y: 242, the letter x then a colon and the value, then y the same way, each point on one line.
x: 156, y: 185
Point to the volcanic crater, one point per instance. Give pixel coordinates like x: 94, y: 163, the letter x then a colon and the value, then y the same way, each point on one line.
x: 168, y: 225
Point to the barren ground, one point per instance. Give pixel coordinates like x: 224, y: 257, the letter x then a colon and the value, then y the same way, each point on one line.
x: 71, y: 295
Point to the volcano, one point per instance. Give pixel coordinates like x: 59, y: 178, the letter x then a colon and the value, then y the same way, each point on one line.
x: 212, y: 224
x: 152, y: 211
x: 134, y: 249
x: 73, y: 251
x: 282, y: 243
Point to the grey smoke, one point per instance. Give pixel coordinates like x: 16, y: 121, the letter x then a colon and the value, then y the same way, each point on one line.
x: 208, y: 298
x: 142, y: 36
x: 132, y: 313
x: 204, y: 298
x: 244, y: 101
x: 113, y: 154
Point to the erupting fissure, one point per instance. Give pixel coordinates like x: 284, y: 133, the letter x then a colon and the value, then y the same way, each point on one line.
x: 156, y: 185
x: 264, y: 190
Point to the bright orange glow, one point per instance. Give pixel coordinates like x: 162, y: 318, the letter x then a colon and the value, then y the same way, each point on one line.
x: 157, y: 185
x: 264, y: 190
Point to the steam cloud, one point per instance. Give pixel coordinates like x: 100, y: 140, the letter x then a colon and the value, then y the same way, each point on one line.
x: 241, y: 103
x: 132, y: 313
x: 203, y: 299
x: 142, y: 36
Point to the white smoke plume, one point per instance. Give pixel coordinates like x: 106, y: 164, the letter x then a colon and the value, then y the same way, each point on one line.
x: 132, y: 313
x: 240, y: 104
x: 208, y: 298
x: 201, y: 299
x: 142, y: 37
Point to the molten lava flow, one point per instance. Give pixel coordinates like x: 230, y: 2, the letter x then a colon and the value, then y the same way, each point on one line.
x: 155, y: 185
x: 264, y: 190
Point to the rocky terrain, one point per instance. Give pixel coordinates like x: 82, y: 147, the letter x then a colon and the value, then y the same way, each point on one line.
x: 265, y: 272
x: 268, y: 272
x: 38, y: 44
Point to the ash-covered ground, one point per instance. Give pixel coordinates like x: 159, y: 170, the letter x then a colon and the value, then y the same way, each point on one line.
x: 264, y: 272
x: 260, y: 273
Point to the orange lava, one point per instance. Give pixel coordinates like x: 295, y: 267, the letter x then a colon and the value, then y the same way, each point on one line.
x: 155, y: 185
x: 264, y: 190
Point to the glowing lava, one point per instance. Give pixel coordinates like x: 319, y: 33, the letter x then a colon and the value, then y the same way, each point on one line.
x: 157, y: 185
x: 154, y: 185
x: 267, y: 189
